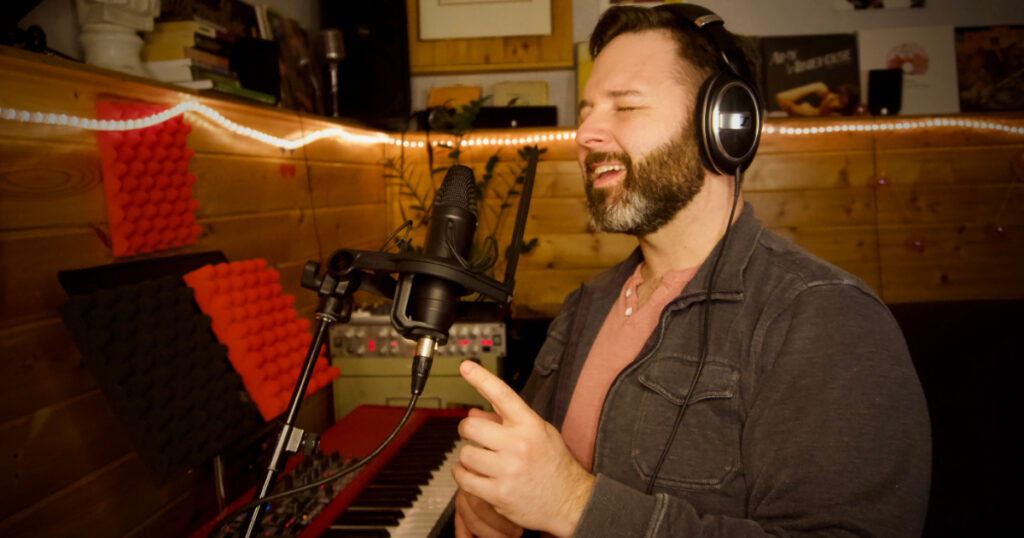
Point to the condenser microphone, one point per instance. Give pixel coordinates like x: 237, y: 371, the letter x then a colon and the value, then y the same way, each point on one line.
x: 332, y: 47
x: 426, y: 305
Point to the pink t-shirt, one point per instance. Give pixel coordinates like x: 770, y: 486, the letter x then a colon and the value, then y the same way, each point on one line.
x: 624, y: 332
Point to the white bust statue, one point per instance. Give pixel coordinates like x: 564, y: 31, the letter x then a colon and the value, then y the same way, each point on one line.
x: 110, y: 32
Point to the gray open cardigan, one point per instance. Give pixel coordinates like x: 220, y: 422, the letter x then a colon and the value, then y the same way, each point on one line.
x: 808, y: 417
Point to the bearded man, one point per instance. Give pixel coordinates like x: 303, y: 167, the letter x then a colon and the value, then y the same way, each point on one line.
x: 794, y: 409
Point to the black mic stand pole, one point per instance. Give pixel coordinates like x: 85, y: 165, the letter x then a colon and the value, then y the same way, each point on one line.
x: 335, y: 305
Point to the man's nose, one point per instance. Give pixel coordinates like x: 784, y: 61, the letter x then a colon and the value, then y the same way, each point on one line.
x: 592, y: 132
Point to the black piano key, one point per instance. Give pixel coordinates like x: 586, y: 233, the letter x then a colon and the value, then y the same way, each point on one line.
x: 392, y: 488
x: 406, y: 477
x: 383, y: 499
x: 397, y: 483
x: 370, y: 518
x: 356, y: 533
x: 377, y: 502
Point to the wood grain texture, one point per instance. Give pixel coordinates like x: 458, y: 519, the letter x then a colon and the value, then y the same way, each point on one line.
x: 56, y: 446
x: 41, y: 367
x: 494, y: 53
x: 112, y: 500
x: 68, y: 468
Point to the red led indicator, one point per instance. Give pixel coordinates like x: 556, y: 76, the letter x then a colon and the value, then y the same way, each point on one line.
x: 486, y: 342
x: 394, y: 343
x: 370, y: 345
x: 463, y: 342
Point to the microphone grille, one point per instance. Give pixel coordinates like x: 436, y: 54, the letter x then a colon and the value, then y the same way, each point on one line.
x: 332, y: 45
x: 458, y: 189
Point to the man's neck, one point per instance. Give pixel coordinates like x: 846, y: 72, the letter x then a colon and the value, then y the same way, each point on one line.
x: 687, y: 239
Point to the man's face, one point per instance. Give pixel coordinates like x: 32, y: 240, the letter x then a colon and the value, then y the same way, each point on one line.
x: 636, y: 143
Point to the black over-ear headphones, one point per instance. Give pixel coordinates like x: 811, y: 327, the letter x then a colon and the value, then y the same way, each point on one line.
x: 729, y: 111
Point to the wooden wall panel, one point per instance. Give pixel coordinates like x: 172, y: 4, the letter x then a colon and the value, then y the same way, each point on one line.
x: 817, y: 207
x: 181, y: 516
x: 110, y: 502
x: 346, y: 184
x: 553, y: 51
x: 952, y: 166
x: 810, y: 170
x: 558, y: 252
x: 68, y: 469
x: 44, y: 184
x: 57, y: 446
x: 951, y: 262
x: 979, y: 204
x: 40, y: 367
x: 229, y: 185
x: 29, y: 261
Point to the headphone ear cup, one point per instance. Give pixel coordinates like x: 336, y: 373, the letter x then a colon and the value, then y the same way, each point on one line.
x: 728, y: 122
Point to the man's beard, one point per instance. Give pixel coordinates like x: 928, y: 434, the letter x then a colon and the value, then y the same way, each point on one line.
x: 652, y: 192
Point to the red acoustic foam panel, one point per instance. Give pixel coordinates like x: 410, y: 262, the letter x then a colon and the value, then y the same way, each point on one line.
x: 267, y: 342
x: 146, y: 180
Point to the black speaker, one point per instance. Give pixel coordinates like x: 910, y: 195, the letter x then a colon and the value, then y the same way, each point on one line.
x: 373, y: 78
x: 885, y: 91
x: 255, y: 63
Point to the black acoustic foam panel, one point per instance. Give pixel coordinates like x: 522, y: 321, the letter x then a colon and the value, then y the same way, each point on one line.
x: 163, y: 373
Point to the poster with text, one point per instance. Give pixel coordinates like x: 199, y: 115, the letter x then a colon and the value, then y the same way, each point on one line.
x: 810, y: 75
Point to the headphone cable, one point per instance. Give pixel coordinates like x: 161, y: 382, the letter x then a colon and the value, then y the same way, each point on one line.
x: 704, y: 337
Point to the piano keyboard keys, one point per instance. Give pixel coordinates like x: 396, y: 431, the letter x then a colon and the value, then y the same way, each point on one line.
x: 416, y: 483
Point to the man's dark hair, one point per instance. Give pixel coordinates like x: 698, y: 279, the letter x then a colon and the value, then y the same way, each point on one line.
x: 703, y: 58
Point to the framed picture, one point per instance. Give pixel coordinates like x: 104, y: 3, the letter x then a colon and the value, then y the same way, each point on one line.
x: 451, y: 19
x: 926, y: 56
x: 990, y: 68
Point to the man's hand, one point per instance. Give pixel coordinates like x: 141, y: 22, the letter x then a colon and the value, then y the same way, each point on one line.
x: 475, y: 517
x: 521, y: 467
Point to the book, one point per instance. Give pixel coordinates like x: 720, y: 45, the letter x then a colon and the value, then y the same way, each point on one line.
x: 990, y: 68
x: 927, y: 56
x: 195, y: 84
x: 170, y: 51
x: 810, y: 75
x: 220, y: 45
x: 245, y: 93
x: 186, y: 69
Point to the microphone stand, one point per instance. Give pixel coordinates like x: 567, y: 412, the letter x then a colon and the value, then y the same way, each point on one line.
x: 350, y: 270
x: 335, y: 305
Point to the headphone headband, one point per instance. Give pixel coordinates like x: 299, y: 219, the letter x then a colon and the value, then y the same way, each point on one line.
x: 707, y: 21
x: 728, y: 109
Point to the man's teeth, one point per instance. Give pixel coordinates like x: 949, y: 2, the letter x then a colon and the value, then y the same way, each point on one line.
x: 608, y: 168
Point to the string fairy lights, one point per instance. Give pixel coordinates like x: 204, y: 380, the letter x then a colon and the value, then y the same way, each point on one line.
x: 370, y: 137
x: 91, y: 124
x: 895, y: 125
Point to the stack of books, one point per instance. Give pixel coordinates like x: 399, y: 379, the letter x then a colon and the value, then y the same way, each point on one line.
x: 195, y: 54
